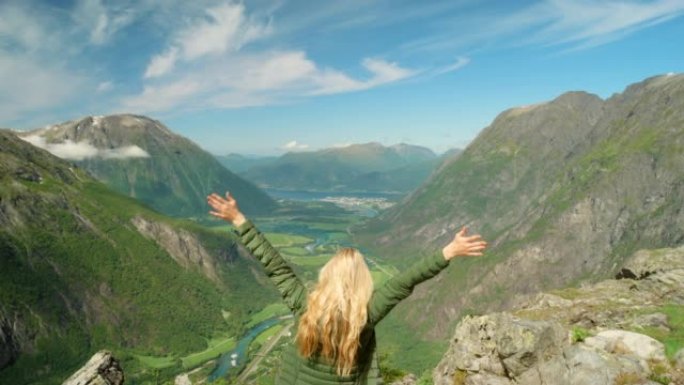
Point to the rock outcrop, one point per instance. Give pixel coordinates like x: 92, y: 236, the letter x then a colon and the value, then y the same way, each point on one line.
x: 181, y: 245
x: 101, y: 369
x: 596, y: 334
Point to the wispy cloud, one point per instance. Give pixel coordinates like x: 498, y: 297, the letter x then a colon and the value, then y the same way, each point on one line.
x: 102, y: 22
x: 225, y: 28
x: 295, y: 146
x: 457, y: 65
x: 566, y: 24
x: 586, y: 23
x: 104, y: 86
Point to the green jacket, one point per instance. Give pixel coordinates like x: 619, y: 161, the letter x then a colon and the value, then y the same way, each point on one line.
x: 298, y: 370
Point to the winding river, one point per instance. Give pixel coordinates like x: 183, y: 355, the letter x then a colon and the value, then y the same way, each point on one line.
x: 230, y: 363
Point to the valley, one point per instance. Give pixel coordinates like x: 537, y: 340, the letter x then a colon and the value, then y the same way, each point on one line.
x: 565, y: 192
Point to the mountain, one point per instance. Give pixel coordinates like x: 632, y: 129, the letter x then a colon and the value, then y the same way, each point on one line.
x: 241, y: 163
x: 357, y: 167
x: 563, y: 191
x: 84, y: 268
x: 142, y: 158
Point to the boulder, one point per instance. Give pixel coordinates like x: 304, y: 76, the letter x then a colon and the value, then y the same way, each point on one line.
x: 101, y: 369
x: 628, y: 343
x: 498, y: 346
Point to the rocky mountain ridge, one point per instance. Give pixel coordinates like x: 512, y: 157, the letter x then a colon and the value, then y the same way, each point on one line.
x: 563, y: 191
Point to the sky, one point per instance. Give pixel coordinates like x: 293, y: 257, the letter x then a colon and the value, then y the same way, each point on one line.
x: 264, y: 77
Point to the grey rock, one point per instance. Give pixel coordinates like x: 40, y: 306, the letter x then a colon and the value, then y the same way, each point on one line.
x: 647, y: 262
x: 101, y: 369
x: 487, y: 379
x: 499, y: 345
x: 182, y: 379
x: 409, y: 379
x: 679, y: 359
x: 181, y: 245
x: 624, y: 342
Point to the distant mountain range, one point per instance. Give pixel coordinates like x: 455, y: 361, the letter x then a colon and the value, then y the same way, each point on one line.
x: 562, y: 190
x: 142, y: 158
x: 84, y: 268
x: 357, y: 167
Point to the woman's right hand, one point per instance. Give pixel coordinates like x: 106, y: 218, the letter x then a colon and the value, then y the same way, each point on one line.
x: 226, y: 209
x: 464, y: 245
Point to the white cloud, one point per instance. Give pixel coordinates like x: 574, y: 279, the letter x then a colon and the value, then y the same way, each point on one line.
x: 383, y: 72
x: 294, y: 146
x: 101, y: 21
x: 589, y: 23
x: 460, y: 63
x: 225, y: 28
x: 105, y: 86
x: 235, y: 81
x: 164, y: 97
x: 570, y: 24
x: 82, y: 150
x: 162, y: 64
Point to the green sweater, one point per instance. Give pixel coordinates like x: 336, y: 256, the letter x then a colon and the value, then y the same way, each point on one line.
x: 298, y: 370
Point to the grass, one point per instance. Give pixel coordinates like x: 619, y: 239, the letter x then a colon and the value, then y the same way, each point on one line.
x: 317, y: 260
x: 285, y: 240
x: 156, y: 362
x: 294, y: 251
x: 673, y: 339
x: 217, y: 346
x: 270, y: 311
x: 266, y: 334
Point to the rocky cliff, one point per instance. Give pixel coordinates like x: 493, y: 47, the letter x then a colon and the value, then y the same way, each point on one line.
x: 563, y: 191
x: 621, y: 331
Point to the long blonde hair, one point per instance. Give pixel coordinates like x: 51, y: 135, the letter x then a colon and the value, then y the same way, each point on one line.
x: 337, y: 311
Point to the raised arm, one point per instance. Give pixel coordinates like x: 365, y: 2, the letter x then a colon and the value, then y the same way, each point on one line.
x: 279, y: 272
x: 401, y: 286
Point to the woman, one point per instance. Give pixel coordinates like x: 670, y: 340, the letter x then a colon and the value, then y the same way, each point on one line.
x: 335, y: 341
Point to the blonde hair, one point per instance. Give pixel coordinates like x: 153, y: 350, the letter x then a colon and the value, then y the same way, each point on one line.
x: 337, y: 311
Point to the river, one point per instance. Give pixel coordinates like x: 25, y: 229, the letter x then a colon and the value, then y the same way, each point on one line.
x: 230, y: 363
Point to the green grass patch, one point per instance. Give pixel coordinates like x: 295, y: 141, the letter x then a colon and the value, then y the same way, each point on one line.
x: 266, y: 334
x: 318, y: 260
x: 673, y: 339
x: 270, y: 311
x: 285, y: 240
x: 294, y: 251
x: 156, y: 362
x: 217, y: 346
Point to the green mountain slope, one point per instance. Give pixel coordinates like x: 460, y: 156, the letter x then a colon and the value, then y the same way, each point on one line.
x: 358, y: 167
x: 174, y: 178
x: 83, y: 268
x: 241, y: 163
x: 562, y: 190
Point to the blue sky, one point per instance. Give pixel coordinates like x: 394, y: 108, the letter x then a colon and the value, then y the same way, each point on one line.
x: 268, y: 76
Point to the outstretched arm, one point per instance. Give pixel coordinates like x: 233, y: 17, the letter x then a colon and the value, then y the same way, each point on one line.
x: 401, y: 286
x: 290, y: 287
